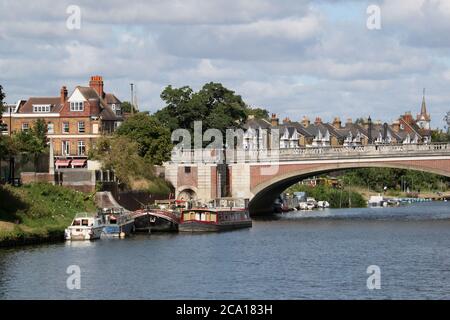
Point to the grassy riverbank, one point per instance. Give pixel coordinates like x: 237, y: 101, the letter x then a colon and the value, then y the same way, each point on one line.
x: 38, y: 212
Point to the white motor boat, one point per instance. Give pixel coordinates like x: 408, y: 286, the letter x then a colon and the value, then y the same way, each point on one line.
x: 84, y: 226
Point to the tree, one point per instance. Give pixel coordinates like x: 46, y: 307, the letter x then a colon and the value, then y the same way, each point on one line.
x: 2, y: 96
x: 258, y: 113
x: 121, y: 154
x: 127, y: 107
x: 32, y: 143
x: 439, y: 136
x: 216, y: 106
x: 152, y: 138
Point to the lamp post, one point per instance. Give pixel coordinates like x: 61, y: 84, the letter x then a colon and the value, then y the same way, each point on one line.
x: 132, y: 98
x: 11, y: 158
x: 369, y: 122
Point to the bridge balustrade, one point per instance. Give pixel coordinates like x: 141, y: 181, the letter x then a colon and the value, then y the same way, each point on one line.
x: 298, y: 154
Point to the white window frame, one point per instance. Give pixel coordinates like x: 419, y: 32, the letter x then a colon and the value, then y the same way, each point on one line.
x: 83, y: 128
x: 63, y: 127
x: 81, y: 144
x: 50, y: 127
x: 65, y: 148
x: 77, y: 106
x: 41, y: 108
x: 25, y: 126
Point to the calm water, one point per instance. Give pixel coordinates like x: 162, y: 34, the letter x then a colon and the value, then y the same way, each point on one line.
x: 322, y: 255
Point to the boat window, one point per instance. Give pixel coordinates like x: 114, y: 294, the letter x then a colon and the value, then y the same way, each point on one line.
x: 85, y: 222
x: 213, y: 217
x: 76, y: 223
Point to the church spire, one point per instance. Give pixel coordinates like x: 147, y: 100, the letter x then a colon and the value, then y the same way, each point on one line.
x: 423, y: 110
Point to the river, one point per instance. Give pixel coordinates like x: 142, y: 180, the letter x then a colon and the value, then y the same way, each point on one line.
x: 310, y: 255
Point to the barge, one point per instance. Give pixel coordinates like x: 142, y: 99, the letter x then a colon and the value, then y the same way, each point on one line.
x: 219, y: 215
x: 164, y: 216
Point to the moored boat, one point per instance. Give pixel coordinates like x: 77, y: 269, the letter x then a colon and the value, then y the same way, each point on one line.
x: 220, y: 215
x: 117, y: 222
x: 164, y: 216
x: 84, y: 226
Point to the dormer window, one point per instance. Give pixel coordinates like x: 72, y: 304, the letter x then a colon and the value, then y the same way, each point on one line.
x: 40, y: 108
x: 77, y: 106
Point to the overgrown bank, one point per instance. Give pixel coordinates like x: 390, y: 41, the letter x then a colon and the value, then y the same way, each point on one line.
x: 38, y: 212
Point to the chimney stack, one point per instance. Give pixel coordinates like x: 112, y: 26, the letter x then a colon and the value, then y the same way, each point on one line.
x: 63, y: 95
x: 318, y: 120
x: 96, y: 83
x: 274, y: 120
x: 305, y: 122
x: 396, y: 126
x: 286, y: 120
x: 337, y: 123
x: 349, y: 121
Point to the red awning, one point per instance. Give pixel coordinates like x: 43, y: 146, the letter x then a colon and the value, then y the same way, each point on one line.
x: 62, y: 163
x: 78, y: 163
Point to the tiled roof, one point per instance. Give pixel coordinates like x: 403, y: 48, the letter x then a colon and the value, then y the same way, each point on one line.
x: 54, y: 102
x: 111, y: 98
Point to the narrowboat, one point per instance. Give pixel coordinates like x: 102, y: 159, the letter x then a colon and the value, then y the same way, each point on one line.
x: 117, y: 222
x: 219, y: 215
x: 84, y: 226
x: 164, y: 216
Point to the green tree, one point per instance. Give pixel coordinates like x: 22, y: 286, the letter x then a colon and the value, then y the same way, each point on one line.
x: 2, y: 96
x: 439, y: 136
x: 216, y: 106
x: 121, y: 154
x: 31, y: 144
x: 127, y: 107
x: 258, y: 113
x: 152, y: 138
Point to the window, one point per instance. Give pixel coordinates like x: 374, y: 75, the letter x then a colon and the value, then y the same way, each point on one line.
x: 41, y: 108
x: 81, y: 127
x: 65, y: 148
x: 76, y: 106
x: 81, y: 148
x: 25, y: 126
x: 65, y: 127
x: 187, y: 169
x: 50, y: 127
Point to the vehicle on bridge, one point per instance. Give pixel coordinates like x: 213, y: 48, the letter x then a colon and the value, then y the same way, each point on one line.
x: 219, y: 215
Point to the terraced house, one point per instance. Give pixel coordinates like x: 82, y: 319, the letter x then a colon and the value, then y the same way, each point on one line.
x: 304, y: 134
x: 74, y: 122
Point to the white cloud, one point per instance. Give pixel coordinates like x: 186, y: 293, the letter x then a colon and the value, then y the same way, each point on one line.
x: 288, y: 56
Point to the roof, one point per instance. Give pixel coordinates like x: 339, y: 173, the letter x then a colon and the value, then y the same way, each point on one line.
x: 111, y: 99
x: 54, y: 102
x: 256, y: 124
x: 354, y: 128
x: 106, y: 113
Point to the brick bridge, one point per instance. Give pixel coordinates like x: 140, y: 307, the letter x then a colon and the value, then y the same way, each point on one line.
x: 262, y: 175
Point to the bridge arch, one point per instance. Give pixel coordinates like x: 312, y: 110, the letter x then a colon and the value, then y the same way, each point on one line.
x: 266, y: 192
x: 187, y: 193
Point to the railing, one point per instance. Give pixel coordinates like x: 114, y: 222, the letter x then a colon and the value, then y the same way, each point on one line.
x: 296, y: 154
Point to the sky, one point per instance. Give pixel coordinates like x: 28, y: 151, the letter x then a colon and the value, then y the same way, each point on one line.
x: 292, y: 57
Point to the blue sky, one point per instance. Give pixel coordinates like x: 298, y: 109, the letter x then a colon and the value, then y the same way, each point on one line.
x: 293, y: 57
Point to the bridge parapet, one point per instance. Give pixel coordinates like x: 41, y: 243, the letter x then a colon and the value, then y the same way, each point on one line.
x: 213, y: 156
